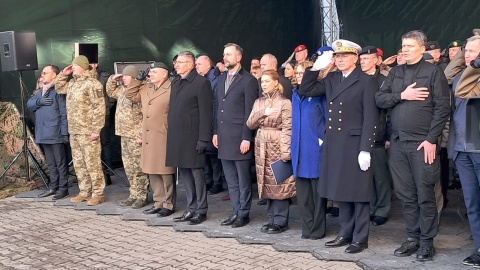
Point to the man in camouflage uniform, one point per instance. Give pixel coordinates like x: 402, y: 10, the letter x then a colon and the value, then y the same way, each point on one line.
x: 86, y: 117
x: 128, y: 124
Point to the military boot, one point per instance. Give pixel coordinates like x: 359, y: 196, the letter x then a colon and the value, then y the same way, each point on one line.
x: 79, y: 198
x: 95, y: 201
x: 128, y: 202
x: 139, y: 203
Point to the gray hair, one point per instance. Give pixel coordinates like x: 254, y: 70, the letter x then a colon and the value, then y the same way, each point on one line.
x: 237, y: 47
x: 271, y: 57
x: 416, y: 35
x: 473, y: 38
x: 188, y: 54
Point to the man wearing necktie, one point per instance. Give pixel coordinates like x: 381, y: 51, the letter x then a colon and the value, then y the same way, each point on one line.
x: 236, y: 93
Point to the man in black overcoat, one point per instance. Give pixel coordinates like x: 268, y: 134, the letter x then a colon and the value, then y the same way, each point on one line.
x: 237, y: 90
x: 189, y: 131
x: 349, y: 139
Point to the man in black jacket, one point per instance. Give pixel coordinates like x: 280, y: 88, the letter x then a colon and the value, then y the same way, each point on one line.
x: 189, y: 131
x: 418, y: 95
x: 381, y: 202
x: 237, y: 90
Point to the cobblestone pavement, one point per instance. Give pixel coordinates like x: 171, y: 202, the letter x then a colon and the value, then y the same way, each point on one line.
x: 39, y: 235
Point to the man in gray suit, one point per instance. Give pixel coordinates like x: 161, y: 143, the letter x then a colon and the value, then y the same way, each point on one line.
x: 237, y: 90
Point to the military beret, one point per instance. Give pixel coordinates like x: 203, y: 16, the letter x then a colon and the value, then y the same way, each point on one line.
x: 455, y: 43
x: 345, y: 46
x: 380, y: 52
x: 158, y: 65
x: 427, y: 56
x: 432, y: 45
x: 323, y: 49
x: 300, y: 48
x: 369, y: 50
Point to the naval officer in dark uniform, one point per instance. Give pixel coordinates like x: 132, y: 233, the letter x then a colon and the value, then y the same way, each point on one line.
x: 349, y: 139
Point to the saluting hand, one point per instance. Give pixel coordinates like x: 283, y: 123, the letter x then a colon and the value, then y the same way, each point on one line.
x: 68, y: 70
x: 429, y: 151
x: 412, y: 93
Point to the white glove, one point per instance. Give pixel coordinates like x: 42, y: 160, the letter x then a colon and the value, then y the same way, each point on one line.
x: 323, y: 60
x: 364, y: 160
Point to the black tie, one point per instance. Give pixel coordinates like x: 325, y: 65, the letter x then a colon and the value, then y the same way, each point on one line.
x: 343, y: 78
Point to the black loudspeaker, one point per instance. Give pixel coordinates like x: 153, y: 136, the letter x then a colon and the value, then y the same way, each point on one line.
x: 18, y: 50
x: 472, y: 127
x: 89, y: 50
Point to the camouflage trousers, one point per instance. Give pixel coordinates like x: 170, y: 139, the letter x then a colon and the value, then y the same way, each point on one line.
x: 131, y: 152
x: 88, y: 165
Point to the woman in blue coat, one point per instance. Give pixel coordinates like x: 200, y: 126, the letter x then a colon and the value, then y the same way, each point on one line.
x: 308, y: 125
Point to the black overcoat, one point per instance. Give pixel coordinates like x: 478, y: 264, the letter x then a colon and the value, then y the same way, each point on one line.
x: 231, y: 114
x: 189, y: 120
x: 350, y: 128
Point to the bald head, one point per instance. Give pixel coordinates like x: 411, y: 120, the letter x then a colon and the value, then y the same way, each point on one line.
x: 268, y: 62
x: 203, y: 64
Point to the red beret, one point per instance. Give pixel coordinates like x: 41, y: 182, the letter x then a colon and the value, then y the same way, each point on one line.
x: 380, y: 52
x: 300, y: 48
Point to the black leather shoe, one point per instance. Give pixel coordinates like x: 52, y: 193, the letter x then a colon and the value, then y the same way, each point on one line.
x: 378, y: 221
x: 60, y: 195
x: 229, y: 221
x: 356, y: 247
x: 305, y: 237
x: 185, y: 217
x: 265, y: 227
x: 165, y: 212
x: 47, y: 193
x: 338, y: 242
x: 407, y: 248
x: 215, y: 190
x: 197, y: 219
x: 274, y: 229
x: 473, y: 260
x: 425, y: 253
x: 240, y: 222
x: 152, y: 210
x: 262, y: 202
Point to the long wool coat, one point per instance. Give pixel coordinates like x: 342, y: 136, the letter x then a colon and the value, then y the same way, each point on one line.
x: 272, y: 143
x: 154, y: 125
x: 190, y: 119
x: 350, y: 128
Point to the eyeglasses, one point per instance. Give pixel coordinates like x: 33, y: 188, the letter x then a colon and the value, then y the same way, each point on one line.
x: 298, y: 73
x: 180, y: 62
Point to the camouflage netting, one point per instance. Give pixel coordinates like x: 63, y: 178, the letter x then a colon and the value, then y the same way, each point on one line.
x: 11, y: 143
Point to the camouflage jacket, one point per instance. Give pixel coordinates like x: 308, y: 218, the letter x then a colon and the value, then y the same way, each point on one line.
x: 85, y: 103
x: 128, y: 115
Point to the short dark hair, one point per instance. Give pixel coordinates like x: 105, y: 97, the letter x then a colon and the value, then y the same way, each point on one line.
x: 237, y: 47
x: 55, y: 69
x: 189, y: 54
x: 416, y: 35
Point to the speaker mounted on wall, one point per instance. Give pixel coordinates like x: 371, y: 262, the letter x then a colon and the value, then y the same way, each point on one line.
x: 89, y: 50
x: 18, y: 50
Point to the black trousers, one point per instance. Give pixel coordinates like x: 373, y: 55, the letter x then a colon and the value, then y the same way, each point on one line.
x: 213, y: 171
x: 414, y: 182
x: 278, y: 211
x: 237, y: 173
x: 312, y: 207
x: 57, y: 166
x: 354, y: 219
x: 196, y: 189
